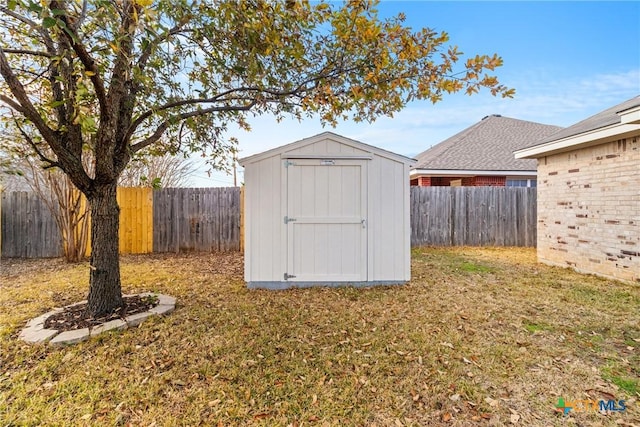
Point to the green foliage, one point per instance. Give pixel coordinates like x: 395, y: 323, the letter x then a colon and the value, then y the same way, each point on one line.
x: 123, y: 74
x: 474, y: 268
x: 536, y: 327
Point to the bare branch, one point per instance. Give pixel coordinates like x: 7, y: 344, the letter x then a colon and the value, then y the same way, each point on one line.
x: 29, y: 52
x: 31, y: 142
x: 82, y: 17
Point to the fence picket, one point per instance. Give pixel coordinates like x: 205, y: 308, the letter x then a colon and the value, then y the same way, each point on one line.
x: 209, y: 219
x: 473, y: 216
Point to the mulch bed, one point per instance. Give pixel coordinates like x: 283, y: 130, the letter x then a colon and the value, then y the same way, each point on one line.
x: 75, y: 317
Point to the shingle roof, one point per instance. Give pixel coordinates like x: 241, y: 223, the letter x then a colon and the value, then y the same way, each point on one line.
x: 487, y: 145
x: 604, y: 118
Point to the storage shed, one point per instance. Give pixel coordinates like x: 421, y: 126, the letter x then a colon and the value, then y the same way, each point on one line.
x: 326, y: 211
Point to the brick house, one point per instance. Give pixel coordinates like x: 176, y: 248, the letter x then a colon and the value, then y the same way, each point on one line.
x: 482, y: 155
x: 589, y: 194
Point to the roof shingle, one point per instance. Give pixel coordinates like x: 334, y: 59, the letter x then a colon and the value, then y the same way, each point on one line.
x: 487, y: 145
x: 602, y: 119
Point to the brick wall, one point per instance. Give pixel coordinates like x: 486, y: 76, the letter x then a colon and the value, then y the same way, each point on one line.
x: 490, y: 181
x: 472, y: 181
x: 424, y: 181
x: 589, y: 209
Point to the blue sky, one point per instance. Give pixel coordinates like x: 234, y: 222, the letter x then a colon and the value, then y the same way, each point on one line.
x: 566, y: 60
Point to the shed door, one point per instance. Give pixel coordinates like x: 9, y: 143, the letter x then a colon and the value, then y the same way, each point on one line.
x: 326, y: 220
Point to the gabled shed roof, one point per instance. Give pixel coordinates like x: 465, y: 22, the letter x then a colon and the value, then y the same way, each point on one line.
x: 282, y: 150
x: 487, y: 145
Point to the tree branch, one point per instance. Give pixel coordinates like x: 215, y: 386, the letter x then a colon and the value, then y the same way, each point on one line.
x: 164, y: 125
x: 146, y: 54
x: 47, y: 38
x: 50, y: 163
x: 82, y: 16
x: 29, y: 52
x: 218, y: 98
x: 84, y: 56
x: 19, y: 17
x: 23, y: 104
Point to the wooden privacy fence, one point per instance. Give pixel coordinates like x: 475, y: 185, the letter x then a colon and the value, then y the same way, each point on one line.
x: 28, y: 228
x: 210, y: 219
x: 165, y: 220
x: 136, y: 221
x: 196, y: 219
x: 473, y: 216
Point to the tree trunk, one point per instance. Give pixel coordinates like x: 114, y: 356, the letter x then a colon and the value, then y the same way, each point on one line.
x: 105, y: 293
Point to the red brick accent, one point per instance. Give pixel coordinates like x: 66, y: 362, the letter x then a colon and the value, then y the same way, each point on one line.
x: 473, y: 181
x: 424, y: 181
x: 490, y: 181
x: 469, y: 181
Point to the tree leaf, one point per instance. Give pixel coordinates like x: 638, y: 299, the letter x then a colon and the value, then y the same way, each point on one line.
x: 48, y: 22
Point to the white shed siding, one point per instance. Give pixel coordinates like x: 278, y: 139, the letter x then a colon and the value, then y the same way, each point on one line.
x: 385, y: 229
x: 264, y: 259
x: 389, y: 202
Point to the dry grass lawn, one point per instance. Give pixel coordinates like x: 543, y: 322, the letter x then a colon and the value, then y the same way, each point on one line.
x: 479, y: 337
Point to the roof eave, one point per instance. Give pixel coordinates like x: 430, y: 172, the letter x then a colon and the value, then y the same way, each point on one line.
x: 585, y: 139
x: 630, y: 115
x: 470, y: 172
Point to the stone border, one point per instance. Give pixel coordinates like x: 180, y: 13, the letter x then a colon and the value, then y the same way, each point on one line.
x: 35, y: 333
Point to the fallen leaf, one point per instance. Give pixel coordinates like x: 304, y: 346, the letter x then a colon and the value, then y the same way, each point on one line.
x: 491, y: 402
x: 515, y: 418
x: 454, y: 397
x: 446, y: 417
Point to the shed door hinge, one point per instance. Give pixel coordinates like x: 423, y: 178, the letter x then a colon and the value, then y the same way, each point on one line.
x: 287, y: 220
x: 288, y: 276
x: 288, y: 163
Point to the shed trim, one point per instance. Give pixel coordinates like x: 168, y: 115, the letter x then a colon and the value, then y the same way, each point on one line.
x: 326, y: 156
x: 275, y: 285
x: 332, y: 136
